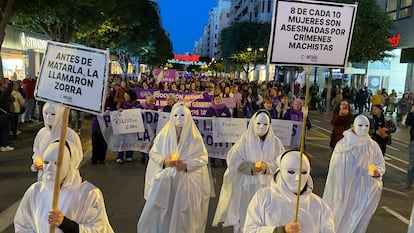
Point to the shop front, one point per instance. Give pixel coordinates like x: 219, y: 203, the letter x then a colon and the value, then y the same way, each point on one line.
x: 22, y: 53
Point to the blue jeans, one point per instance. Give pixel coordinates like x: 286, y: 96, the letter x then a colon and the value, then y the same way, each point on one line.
x: 29, y: 103
x: 4, y: 130
x: 128, y: 154
x: 410, y: 172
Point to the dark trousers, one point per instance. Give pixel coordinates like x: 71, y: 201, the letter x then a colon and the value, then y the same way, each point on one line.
x: 99, y: 147
x: 14, y: 121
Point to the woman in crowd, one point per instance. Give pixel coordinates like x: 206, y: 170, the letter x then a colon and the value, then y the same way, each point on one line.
x: 341, y: 120
x: 177, y: 183
x: 251, y: 163
x: 130, y: 101
x: 382, y: 127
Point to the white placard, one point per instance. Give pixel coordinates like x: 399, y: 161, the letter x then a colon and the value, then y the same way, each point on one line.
x: 228, y: 129
x: 73, y: 75
x: 127, y: 121
x: 283, y: 130
x: 311, y: 32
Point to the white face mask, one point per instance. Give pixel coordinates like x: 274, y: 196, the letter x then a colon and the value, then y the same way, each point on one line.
x: 178, y: 116
x: 289, y: 170
x: 49, y: 114
x: 261, y: 124
x: 361, y: 125
x: 49, y: 165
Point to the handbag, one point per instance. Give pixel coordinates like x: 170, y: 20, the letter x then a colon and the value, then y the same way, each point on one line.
x: 22, y: 110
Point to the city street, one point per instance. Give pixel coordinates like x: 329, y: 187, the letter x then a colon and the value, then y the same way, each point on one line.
x: 123, y: 184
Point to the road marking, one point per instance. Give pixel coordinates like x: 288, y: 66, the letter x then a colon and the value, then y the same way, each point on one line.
x: 400, y: 143
x: 316, y: 120
x: 395, y: 158
x: 328, y: 131
x: 318, y: 145
x: 396, y: 167
x: 395, y: 214
x: 394, y: 191
x: 391, y: 147
x: 7, y: 216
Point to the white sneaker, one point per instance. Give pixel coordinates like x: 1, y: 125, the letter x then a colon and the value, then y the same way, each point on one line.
x: 119, y: 161
x: 18, y: 132
x: 129, y: 159
x: 6, y: 148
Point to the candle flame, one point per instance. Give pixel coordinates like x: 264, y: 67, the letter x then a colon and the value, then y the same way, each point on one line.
x: 38, y: 162
x: 174, y: 156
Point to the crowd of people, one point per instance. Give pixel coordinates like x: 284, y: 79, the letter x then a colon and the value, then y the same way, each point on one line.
x: 260, y: 184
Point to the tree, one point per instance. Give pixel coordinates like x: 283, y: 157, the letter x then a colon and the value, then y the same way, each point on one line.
x: 238, y: 37
x: 59, y: 20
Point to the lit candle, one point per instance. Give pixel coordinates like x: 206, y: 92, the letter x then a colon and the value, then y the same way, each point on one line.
x: 38, y: 162
x: 371, y: 170
x: 258, y: 164
x: 174, y: 156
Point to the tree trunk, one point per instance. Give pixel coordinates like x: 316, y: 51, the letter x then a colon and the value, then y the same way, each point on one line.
x: 5, y: 18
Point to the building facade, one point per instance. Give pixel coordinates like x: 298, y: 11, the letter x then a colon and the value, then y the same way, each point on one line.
x: 22, y: 53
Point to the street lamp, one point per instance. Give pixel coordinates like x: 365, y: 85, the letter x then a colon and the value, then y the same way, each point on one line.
x: 256, y: 55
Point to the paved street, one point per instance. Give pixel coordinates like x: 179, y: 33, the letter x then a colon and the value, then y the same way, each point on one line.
x: 122, y: 185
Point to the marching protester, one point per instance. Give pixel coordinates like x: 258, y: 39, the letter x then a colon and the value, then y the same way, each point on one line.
x: 177, y: 183
x: 410, y: 171
x: 296, y: 114
x: 354, y: 182
x: 6, y: 88
x: 149, y: 104
x: 340, y: 121
x: 53, y: 120
x: 272, y: 209
x: 251, y: 163
x: 19, y: 108
x: 81, y: 204
x: 382, y: 127
x: 171, y: 100
x: 130, y: 101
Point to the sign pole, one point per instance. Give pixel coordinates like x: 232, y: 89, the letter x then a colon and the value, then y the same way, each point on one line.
x: 62, y: 140
x: 302, y: 140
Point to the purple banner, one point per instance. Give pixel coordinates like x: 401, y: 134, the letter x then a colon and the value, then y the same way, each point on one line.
x: 162, y: 75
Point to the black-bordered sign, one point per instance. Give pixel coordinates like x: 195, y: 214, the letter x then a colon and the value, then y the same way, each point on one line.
x: 311, y: 33
x: 73, y: 75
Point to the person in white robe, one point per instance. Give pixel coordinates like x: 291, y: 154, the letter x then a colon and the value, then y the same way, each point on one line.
x: 53, y: 120
x: 177, y: 182
x: 411, y: 225
x: 251, y: 164
x: 273, y: 208
x: 81, y: 206
x: 354, y: 182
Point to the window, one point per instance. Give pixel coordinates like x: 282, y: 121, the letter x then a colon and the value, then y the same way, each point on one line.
x: 392, y: 9
x: 405, y: 9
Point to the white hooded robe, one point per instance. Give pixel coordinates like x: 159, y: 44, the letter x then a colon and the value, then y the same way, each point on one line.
x: 177, y: 201
x: 238, y: 188
x: 351, y: 193
x: 80, y: 201
x: 275, y: 206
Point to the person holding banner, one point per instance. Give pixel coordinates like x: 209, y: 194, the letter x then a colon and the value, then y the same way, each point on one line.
x: 177, y: 183
x: 81, y: 204
x: 296, y: 114
x: 130, y: 101
x: 272, y: 209
x: 251, y: 164
x: 354, y: 182
x: 53, y: 120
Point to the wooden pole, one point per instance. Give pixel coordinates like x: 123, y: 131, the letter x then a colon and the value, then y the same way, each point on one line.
x: 302, y: 140
x: 62, y: 141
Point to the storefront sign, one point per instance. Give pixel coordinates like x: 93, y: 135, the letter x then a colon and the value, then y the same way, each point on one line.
x: 74, y: 76
x: 311, y: 32
x: 32, y: 43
